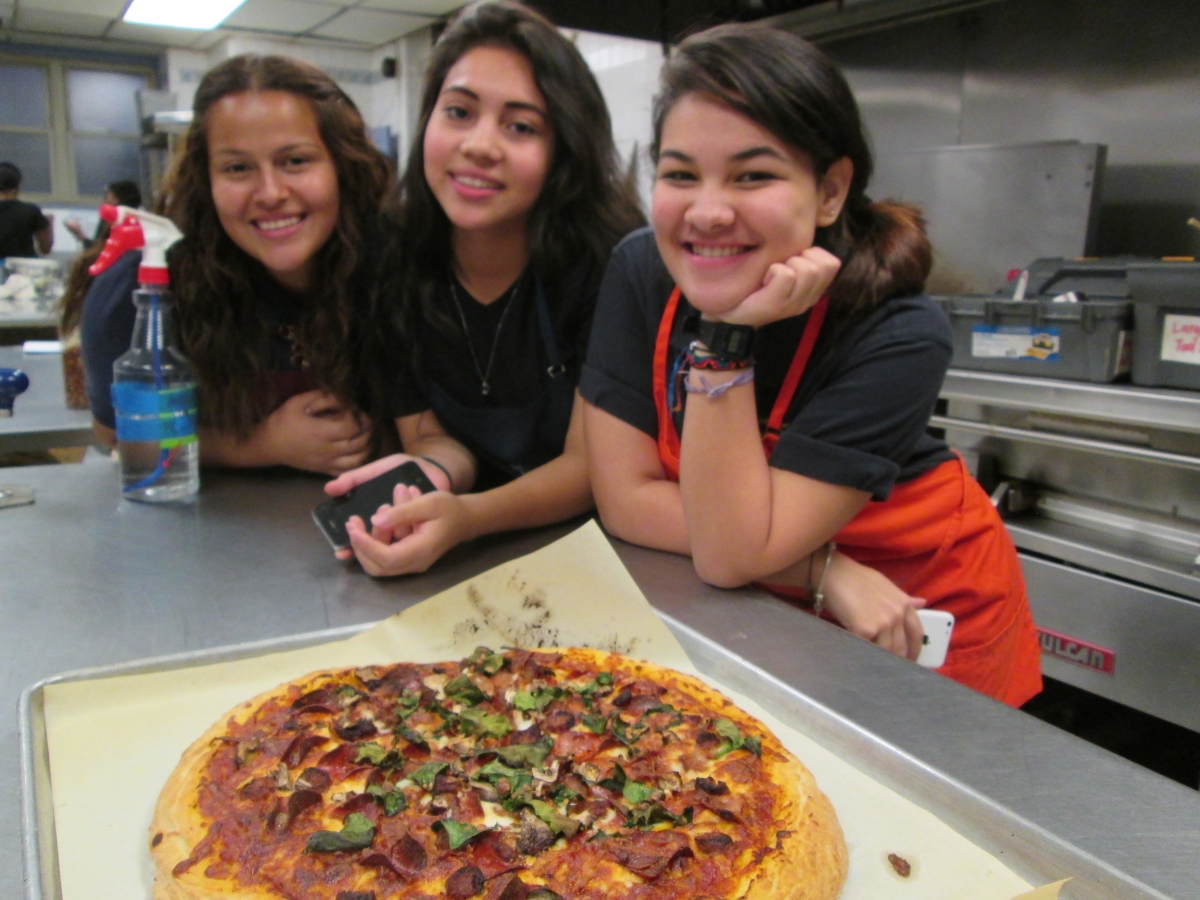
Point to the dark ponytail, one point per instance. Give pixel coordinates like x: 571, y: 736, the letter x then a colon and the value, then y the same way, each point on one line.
x: 793, y: 90
x: 887, y: 254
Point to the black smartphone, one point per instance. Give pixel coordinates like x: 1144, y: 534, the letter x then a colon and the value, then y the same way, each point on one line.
x: 332, y: 515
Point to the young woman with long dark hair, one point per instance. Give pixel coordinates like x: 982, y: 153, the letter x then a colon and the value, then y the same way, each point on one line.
x: 512, y: 201
x: 763, y: 367
x: 279, y: 194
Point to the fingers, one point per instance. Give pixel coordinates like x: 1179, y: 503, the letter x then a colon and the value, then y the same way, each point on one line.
x: 914, y: 634
x: 322, y: 403
x: 379, y: 559
x: 417, y: 508
x: 385, y: 534
x: 789, y: 289
x: 404, y: 493
x: 355, y: 477
x: 813, y: 271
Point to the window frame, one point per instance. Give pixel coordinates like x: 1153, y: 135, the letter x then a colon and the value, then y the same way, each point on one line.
x: 64, y: 188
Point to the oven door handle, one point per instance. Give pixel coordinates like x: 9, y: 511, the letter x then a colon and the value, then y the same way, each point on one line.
x: 1085, y: 445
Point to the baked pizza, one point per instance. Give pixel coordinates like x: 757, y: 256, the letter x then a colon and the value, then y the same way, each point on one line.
x: 520, y: 775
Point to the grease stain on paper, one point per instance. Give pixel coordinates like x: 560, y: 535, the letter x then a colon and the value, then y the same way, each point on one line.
x: 525, y: 617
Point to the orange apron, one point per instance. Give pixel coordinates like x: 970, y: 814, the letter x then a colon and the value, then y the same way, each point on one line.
x: 937, y: 537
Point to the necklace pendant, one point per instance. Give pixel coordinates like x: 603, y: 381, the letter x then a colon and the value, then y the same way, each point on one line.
x: 486, y: 389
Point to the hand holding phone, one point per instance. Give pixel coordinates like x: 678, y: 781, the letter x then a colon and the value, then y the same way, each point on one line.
x: 362, y: 501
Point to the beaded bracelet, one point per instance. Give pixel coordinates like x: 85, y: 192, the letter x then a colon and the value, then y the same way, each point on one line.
x: 710, y: 390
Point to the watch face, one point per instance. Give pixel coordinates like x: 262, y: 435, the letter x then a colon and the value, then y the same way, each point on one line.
x: 737, y: 343
x: 731, y: 343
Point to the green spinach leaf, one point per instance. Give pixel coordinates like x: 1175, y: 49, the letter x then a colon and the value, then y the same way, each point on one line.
x: 356, y: 834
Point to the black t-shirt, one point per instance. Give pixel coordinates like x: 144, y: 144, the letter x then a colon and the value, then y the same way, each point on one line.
x: 860, y: 421
x: 106, y: 330
x: 19, y: 222
x: 518, y: 369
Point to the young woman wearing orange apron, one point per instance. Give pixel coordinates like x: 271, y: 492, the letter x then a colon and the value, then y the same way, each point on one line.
x: 936, y: 537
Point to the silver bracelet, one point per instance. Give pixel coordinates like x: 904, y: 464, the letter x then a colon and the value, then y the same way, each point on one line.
x: 819, y: 593
x: 712, y: 391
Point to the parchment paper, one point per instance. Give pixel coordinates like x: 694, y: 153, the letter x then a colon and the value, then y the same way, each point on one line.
x: 113, y: 742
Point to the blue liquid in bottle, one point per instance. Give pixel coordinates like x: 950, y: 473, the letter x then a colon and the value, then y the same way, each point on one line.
x: 154, y: 395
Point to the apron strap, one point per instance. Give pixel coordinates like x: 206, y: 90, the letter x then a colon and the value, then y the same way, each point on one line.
x: 546, y: 327
x: 668, y: 435
x: 808, y: 340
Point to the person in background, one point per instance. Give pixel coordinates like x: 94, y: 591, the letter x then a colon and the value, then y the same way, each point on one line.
x: 763, y: 367
x: 280, y: 195
x: 118, y: 193
x: 24, y: 229
x: 512, y: 201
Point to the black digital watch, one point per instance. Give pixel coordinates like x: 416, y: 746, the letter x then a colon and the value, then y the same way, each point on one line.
x: 728, y: 343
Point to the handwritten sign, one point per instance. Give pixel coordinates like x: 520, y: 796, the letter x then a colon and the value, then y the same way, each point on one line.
x: 1181, y: 339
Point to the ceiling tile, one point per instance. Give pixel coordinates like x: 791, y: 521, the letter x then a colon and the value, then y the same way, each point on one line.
x: 209, y: 39
x: 419, y: 7
x: 155, y: 34
x: 59, y: 22
x: 111, y: 9
x: 371, y: 27
x: 288, y: 16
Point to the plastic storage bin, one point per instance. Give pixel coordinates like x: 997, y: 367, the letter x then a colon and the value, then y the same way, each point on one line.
x: 1167, y: 310
x: 1089, y: 340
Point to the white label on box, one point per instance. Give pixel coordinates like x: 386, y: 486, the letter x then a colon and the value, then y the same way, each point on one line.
x: 1015, y: 342
x: 1181, y: 339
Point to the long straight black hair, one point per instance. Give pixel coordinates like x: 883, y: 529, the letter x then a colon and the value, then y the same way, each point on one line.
x: 793, y: 90
x: 585, y: 206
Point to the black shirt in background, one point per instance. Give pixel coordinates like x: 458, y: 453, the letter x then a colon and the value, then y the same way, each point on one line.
x: 859, y: 422
x: 19, y: 222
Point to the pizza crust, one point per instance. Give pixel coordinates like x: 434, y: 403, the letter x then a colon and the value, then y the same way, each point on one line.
x: 179, y: 821
x: 808, y: 860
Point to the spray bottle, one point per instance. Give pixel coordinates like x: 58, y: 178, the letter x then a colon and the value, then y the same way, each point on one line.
x: 153, y: 391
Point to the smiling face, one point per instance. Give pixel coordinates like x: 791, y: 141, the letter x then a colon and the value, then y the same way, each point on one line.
x: 488, y: 143
x: 273, y: 180
x: 729, y: 200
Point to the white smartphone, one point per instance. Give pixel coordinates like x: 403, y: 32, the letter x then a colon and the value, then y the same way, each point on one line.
x: 938, y: 627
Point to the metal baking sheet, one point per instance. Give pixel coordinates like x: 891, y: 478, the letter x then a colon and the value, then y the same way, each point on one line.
x: 1029, y: 850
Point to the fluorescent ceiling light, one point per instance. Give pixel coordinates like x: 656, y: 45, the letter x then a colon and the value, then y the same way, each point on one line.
x: 199, y: 14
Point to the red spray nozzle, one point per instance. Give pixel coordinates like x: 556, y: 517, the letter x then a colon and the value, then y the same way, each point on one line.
x: 125, y: 235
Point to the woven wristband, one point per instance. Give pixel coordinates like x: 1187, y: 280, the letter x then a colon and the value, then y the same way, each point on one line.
x: 700, y: 357
x: 712, y: 391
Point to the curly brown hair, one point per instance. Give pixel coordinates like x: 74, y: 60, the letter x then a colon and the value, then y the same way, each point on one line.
x: 221, y: 329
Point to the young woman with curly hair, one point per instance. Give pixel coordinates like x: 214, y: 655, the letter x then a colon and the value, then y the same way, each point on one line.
x: 278, y: 192
x: 763, y: 367
x: 512, y: 201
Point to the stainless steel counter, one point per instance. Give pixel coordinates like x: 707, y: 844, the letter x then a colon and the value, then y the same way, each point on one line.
x: 41, y: 419
x: 87, y: 579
